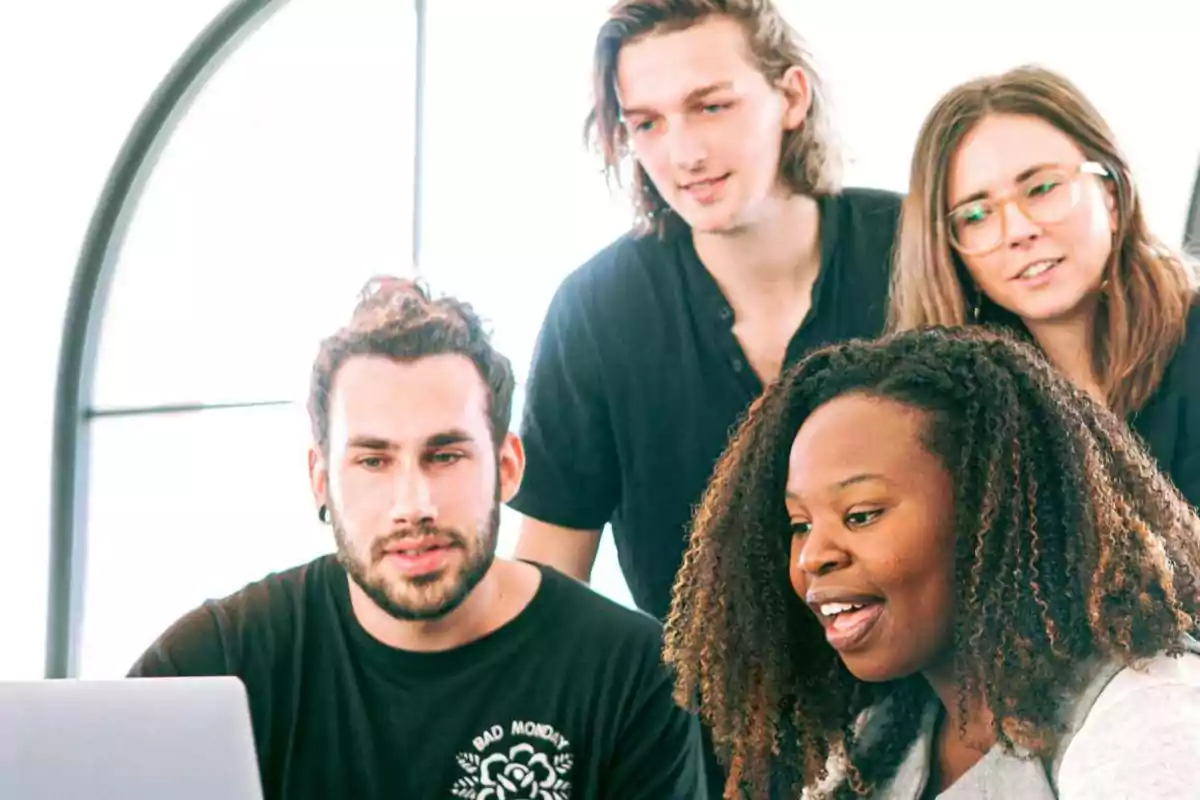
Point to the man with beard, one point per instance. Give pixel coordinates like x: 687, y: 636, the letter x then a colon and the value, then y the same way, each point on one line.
x: 414, y: 663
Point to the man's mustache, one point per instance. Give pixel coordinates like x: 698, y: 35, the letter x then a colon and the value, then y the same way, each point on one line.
x: 448, y: 535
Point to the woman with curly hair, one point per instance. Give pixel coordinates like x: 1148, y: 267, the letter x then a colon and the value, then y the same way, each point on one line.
x: 930, y: 566
x: 1022, y: 211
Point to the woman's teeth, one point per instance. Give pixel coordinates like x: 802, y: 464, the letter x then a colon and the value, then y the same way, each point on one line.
x: 1038, y: 267
x: 829, y: 609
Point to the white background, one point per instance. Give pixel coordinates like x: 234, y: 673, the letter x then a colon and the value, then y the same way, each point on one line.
x: 290, y: 182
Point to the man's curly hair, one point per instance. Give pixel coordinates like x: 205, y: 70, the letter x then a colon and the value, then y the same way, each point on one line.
x: 398, y: 318
x: 1070, y: 545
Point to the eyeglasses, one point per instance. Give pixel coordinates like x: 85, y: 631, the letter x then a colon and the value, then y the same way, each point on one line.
x: 1045, y: 197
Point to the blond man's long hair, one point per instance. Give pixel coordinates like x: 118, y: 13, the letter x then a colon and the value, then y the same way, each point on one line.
x: 810, y: 158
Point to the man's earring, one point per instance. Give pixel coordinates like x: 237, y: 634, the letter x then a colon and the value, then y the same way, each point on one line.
x: 323, y: 513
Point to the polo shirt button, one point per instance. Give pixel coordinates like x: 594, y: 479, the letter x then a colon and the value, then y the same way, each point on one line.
x: 726, y: 312
x: 738, y: 365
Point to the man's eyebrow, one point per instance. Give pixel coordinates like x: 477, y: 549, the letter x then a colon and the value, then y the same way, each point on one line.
x: 691, y: 97
x: 368, y: 442
x: 447, y: 438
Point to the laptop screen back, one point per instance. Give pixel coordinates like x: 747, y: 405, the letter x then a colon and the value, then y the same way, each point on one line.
x: 136, y: 739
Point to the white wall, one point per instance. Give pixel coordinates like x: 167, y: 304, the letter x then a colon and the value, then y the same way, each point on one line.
x: 889, y: 62
x: 313, y: 197
x: 72, y: 78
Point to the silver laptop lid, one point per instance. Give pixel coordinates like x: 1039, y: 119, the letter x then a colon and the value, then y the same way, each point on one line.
x: 136, y: 739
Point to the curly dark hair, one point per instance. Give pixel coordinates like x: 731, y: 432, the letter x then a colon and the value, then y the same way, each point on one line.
x: 399, y: 318
x: 1071, y: 544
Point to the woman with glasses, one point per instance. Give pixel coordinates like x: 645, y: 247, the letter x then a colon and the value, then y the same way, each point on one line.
x: 1022, y: 212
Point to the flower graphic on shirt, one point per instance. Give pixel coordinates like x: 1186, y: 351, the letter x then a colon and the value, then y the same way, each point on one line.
x: 520, y: 772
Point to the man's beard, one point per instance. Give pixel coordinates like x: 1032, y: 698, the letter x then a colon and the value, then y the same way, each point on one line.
x: 424, y: 597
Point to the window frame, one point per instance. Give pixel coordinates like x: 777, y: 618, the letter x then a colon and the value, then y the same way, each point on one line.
x: 74, y: 407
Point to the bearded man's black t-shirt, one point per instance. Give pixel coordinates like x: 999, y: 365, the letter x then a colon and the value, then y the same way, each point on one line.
x: 568, y: 701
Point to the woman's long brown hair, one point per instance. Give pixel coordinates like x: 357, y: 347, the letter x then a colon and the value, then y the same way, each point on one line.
x: 1150, y: 287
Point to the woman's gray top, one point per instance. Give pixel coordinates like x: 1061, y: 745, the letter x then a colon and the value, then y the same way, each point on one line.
x: 1132, y: 733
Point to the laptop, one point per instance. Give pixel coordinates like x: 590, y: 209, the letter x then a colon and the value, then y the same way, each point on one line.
x: 134, y: 739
